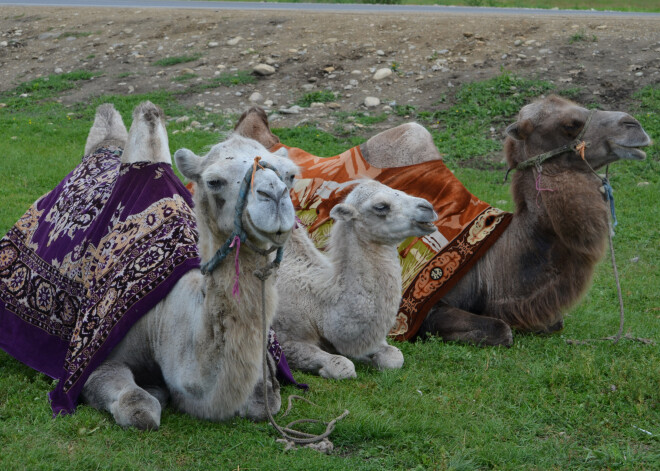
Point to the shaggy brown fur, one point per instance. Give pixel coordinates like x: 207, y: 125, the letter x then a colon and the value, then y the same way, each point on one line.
x: 545, y: 260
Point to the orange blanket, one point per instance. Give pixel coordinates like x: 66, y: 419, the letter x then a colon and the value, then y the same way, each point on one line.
x: 431, y: 265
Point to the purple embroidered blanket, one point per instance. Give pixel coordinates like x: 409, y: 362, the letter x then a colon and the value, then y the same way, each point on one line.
x: 87, y: 260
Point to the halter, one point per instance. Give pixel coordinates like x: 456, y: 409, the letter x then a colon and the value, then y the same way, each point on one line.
x: 239, y: 233
x: 577, y: 145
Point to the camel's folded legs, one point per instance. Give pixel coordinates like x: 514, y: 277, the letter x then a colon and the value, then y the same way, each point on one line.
x: 311, y: 358
x: 112, y: 387
x: 255, y: 406
x: 454, y: 324
x: 386, y: 357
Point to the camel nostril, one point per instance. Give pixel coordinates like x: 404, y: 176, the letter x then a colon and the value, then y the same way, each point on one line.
x: 427, y: 211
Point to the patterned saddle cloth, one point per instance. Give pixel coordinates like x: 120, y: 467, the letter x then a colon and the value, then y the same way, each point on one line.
x: 87, y: 260
x: 432, y: 265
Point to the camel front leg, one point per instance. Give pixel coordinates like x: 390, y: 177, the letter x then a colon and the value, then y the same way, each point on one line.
x: 386, y: 357
x: 255, y: 406
x: 454, y: 324
x: 112, y: 387
x: 310, y: 358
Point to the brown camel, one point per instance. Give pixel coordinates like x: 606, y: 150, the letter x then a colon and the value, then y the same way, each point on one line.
x: 543, y: 263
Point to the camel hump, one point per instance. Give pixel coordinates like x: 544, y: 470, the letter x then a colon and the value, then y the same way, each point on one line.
x: 108, y: 129
x: 253, y: 124
x: 147, y: 139
x: 407, y: 144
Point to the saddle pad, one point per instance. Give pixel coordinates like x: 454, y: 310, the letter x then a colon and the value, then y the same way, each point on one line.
x: 87, y: 260
x: 432, y: 265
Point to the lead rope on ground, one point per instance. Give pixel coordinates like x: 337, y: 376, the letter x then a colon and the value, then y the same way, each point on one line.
x: 287, y: 432
x: 607, y: 188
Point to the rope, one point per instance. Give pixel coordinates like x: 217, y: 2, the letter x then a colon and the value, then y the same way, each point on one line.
x: 619, y: 335
x: 288, y: 432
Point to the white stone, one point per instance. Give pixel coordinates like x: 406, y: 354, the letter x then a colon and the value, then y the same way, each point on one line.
x: 371, y: 101
x: 214, y: 44
x: 234, y: 41
x: 256, y: 97
x: 264, y: 69
x: 58, y: 70
x: 382, y: 73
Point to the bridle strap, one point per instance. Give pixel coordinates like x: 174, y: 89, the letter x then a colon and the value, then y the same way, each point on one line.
x: 574, y: 146
x: 239, y: 232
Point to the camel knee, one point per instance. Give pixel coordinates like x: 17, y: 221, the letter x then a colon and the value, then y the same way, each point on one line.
x: 137, y: 408
x: 255, y: 407
x: 338, y: 367
x: 388, y: 358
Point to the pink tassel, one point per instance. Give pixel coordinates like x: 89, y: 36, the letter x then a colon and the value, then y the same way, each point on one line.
x: 297, y: 223
x: 236, y: 290
x: 539, y: 189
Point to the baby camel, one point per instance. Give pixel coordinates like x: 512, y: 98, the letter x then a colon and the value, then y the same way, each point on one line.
x: 200, y: 346
x: 345, y: 302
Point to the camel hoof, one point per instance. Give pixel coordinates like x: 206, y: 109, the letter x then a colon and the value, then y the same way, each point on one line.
x: 389, y: 358
x: 255, y: 407
x: 338, y: 367
x: 137, y: 408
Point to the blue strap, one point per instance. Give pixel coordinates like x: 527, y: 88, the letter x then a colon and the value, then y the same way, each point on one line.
x: 610, y: 197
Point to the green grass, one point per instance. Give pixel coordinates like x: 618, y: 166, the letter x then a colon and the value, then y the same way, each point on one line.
x: 231, y: 79
x: 320, y: 96
x: 75, y: 34
x: 170, y: 61
x: 43, y: 88
x: 540, y: 405
x: 184, y: 77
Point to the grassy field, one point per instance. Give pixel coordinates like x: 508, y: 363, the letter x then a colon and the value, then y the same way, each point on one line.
x: 541, y: 404
x: 615, y: 5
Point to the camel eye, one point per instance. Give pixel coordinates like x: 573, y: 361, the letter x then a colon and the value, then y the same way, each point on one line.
x: 381, y: 209
x: 216, y: 184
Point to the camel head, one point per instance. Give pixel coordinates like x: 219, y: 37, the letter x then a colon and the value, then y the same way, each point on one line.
x: 383, y: 215
x: 552, y: 122
x: 268, y: 217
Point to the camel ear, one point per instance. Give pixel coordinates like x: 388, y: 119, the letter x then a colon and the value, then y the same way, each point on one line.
x: 343, y: 212
x: 188, y: 164
x: 520, y: 130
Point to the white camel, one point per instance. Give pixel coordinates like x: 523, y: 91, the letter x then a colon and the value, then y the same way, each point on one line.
x: 344, y: 303
x: 200, y: 346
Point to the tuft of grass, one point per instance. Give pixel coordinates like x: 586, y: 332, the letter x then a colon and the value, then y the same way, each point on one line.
x: 232, y: 79
x: 75, y: 34
x: 170, y: 61
x: 582, y: 35
x: 43, y: 88
x: 320, y: 96
x: 184, y: 77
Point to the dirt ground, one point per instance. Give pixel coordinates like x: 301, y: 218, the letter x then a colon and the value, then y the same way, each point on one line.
x: 603, y: 60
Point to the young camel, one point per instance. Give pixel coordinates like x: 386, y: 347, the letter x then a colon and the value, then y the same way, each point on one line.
x: 200, y: 347
x: 344, y: 302
x: 544, y: 261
